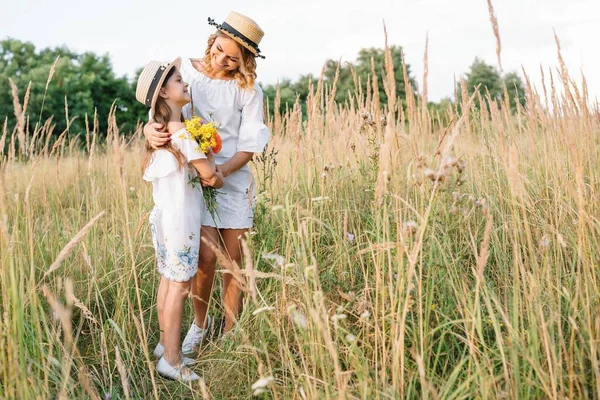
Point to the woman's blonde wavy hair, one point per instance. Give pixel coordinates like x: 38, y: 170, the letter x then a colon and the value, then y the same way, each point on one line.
x: 245, y: 75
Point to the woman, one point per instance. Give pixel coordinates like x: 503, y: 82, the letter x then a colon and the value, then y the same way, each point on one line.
x: 224, y: 90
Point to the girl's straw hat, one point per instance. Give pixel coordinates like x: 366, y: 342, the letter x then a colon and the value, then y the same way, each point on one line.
x: 151, y: 80
x: 243, y: 30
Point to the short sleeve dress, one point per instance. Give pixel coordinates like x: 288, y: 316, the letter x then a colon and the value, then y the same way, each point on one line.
x: 176, y: 218
x: 239, y: 115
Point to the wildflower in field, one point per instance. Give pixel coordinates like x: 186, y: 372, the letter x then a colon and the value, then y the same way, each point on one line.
x: 482, y: 204
x: 278, y: 260
x: 260, y: 385
x: 365, y: 315
x: 410, y: 227
x: 350, y: 338
x: 544, y: 242
x: 349, y: 236
x: 338, y: 317
x: 434, y: 176
x: 297, y: 317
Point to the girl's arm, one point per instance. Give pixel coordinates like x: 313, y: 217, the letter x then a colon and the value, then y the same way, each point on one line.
x: 208, y: 172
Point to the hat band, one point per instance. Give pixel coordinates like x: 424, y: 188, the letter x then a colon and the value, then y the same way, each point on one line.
x: 153, y: 85
x: 237, y: 33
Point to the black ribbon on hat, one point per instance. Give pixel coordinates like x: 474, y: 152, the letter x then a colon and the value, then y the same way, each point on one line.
x: 154, y: 85
x: 226, y: 27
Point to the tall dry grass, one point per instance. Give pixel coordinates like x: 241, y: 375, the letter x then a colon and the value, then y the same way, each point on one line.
x: 392, y: 257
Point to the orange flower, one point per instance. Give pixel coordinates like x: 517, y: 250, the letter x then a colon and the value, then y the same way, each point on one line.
x: 217, y: 148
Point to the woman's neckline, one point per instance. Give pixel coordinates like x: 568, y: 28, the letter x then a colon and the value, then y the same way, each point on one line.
x: 191, y: 60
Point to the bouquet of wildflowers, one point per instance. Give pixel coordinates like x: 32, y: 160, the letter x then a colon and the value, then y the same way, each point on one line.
x: 206, y: 134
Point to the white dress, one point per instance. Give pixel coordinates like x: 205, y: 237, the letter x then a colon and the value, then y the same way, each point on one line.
x: 176, y: 217
x: 239, y: 114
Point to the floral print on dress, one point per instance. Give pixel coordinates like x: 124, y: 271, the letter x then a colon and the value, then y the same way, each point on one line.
x: 177, y: 265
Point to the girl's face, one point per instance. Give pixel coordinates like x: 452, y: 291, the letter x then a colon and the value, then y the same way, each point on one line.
x: 225, y: 55
x: 175, y: 89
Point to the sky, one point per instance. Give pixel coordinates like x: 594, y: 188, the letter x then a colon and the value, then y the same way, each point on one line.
x: 301, y: 35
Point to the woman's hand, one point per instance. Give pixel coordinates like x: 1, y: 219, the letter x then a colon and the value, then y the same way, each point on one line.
x: 155, y: 136
x: 215, y: 181
x: 224, y: 169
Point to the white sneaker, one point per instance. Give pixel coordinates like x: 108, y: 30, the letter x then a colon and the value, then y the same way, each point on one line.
x: 193, y: 339
x: 180, y: 373
x: 159, y: 351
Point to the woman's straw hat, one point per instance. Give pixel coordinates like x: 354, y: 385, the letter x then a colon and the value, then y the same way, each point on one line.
x: 243, y: 30
x: 151, y: 80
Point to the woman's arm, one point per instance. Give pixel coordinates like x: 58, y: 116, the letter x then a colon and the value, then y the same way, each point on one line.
x: 254, y: 134
x: 155, y: 136
x: 235, y: 163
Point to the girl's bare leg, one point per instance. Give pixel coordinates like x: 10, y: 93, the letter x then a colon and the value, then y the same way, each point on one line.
x: 163, y: 289
x: 173, y: 314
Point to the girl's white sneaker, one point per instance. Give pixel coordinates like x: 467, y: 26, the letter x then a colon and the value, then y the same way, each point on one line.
x: 193, y: 338
x: 159, y: 351
x: 180, y: 373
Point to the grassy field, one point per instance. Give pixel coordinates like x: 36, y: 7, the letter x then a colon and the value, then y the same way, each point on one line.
x: 394, y: 255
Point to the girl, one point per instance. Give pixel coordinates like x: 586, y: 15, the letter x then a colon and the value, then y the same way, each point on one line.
x: 224, y: 87
x: 179, y: 206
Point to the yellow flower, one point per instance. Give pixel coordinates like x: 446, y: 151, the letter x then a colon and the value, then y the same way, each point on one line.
x: 204, y: 133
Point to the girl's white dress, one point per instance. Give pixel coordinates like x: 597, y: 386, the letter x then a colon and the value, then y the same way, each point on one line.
x: 178, y: 209
x: 239, y: 113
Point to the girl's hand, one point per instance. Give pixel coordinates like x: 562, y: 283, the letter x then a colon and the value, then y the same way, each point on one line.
x: 156, y: 138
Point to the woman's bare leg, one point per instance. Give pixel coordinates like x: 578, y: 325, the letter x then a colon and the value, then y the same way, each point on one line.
x: 203, y: 281
x: 232, y: 294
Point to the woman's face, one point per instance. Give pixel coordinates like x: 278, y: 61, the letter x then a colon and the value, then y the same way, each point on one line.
x: 175, y: 89
x: 225, y: 55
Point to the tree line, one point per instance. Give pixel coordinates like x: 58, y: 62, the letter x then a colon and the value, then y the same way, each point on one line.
x: 87, y: 83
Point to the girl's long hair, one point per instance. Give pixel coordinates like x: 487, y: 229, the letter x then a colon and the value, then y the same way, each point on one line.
x: 245, y: 75
x: 162, y: 115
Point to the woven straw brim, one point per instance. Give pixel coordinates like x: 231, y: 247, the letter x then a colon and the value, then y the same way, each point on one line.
x: 146, y: 78
x: 240, y: 41
x: 246, y: 27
